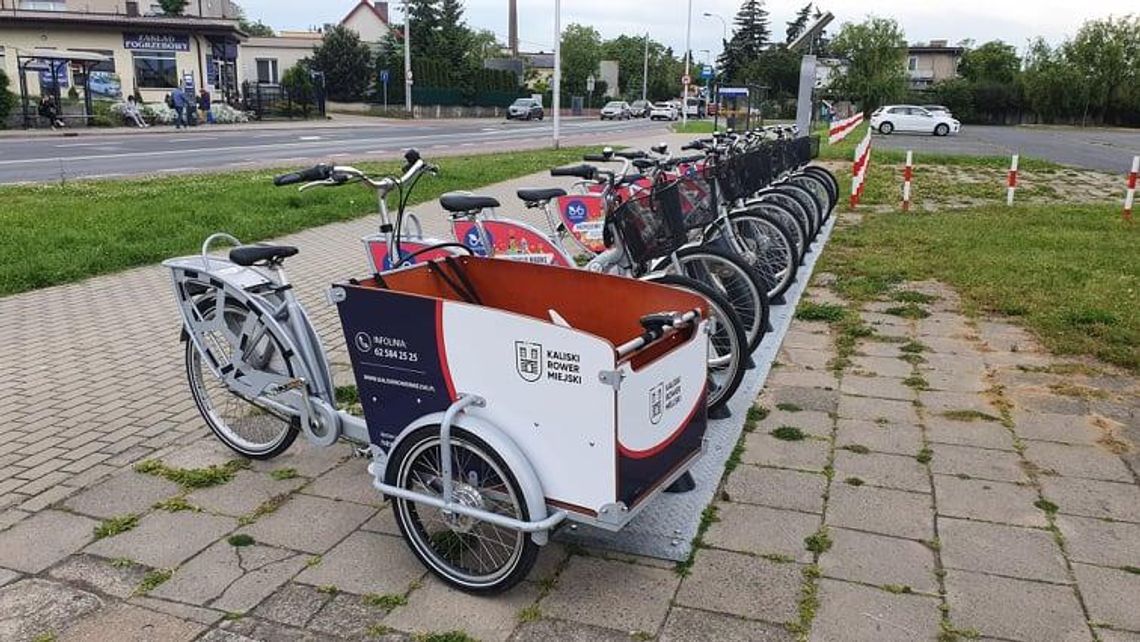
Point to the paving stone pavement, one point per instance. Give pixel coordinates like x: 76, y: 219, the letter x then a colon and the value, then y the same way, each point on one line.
x: 952, y: 494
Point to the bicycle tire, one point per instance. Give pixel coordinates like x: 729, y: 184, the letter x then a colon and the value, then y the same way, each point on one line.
x: 815, y: 187
x: 792, y: 223
x: 733, y: 277
x: 829, y: 179
x: 804, y: 219
x: 729, y: 334
x: 766, y: 245
x: 806, y: 200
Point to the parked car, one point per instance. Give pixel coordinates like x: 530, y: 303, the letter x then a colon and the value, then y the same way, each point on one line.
x: 695, y: 107
x: 640, y: 108
x: 616, y: 110
x: 525, y: 109
x: 663, y: 111
x: 912, y: 118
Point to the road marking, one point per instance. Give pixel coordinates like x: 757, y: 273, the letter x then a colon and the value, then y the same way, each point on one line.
x: 337, y: 155
x: 81, y: 144
x: 91, y: 176
x: 186, y: 140
x: 309, y: 138
x: 178, y: 169
x: 377, y: 151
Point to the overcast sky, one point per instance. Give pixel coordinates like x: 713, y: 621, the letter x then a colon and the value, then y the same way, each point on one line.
x: 922, y: 20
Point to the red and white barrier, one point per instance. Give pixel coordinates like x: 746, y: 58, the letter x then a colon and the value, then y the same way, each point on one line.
x: 1011, y: 182
x: 908, y: 172
x: 859, y: 168
x: 1130, y: 194
x: 840, y: 128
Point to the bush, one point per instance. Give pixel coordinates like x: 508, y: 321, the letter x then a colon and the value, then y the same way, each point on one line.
x: 7, y: 99
x: 103, y: 114
x: 225, y: 115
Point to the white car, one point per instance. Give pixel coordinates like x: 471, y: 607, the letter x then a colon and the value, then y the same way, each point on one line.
x: 616, y: 110
x: 912, y: 118
x: 663, y: 111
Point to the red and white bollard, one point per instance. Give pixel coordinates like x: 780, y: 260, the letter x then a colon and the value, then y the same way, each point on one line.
x: 908, y: 172
x: 1012, y: 181
x: 1130, y: 194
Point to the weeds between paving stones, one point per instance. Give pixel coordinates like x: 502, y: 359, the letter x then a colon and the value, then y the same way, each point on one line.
x: 641, y: 635
x: 1079, y: 391
x: 390, y: 601
x: 529, y: 614
x: 811, y: 311
x: 213, y: 475
x: 897, y: 589
x: 377, y: 631
x: 914, y: 347
x: 788, y: 433
x: 313, y: 561
x: 240, y: 539
x: 809, y: 602
x: 281, y: 474
x: 232, y: 616
x: 175, y: 504
x: 818, y: 542
x: 907, y: 311
x: 44, y: 637
x: 757, y: 413
x: 266, y: 507
x: 123, y: 562
x: 912, y: 358
x: 910, y: 296
x: 1135, y: 570
x: 916, y: 382
x: 969, y: 415
x: 788, y: 407
x: 449, y: 636
x: 1046, y: 505
x: 708, y: 518
x: 777, y: 558
x: 328, y: 589
x: 924, y: 456
x: 933, y: 544
x: 153, y: 579
x: 858, y: 449
x: 853, y: 481
x: 115, y: 525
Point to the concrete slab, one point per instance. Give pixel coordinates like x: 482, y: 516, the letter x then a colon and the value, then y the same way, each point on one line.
x: 978, y: 463
x: 765, y: 450
x: 165, y: 540
x: 742, y: 585
x: 1110, y: 595
x: 776, y: 488
x: 879, y: 560
x: 1015, y: 609
x: 999, y: 549
x: 292, y: 604
x: 636, y: 597
x: 132, y: 623
x: 545, y: 630
x: 43, y: 539
x: 889, y: 471
x: 988, y: 500
x: 689, y: 625
x: 125, y: 493
x: 348, y: 481
x: 855, y: 613
x: 366, y: 563
x: 881, y: 510
x: 1091, y: 498
x: 899, y: 439
x: 97, y: 574
x: 35, y: 608
x: 1099, y: 542
x: 243, y: 494
x: 310, y: 524
x: 759, y: 530
x: 1078, y: 461
x: 437, y: 607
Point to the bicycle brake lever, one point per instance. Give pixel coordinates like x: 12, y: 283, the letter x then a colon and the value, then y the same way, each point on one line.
x: 327, y: 181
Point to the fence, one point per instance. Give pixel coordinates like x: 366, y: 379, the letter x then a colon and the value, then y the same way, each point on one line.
x: 273, y: 101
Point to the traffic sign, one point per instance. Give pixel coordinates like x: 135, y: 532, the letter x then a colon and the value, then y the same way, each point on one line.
x: 685, y: 80
x: 384, y: 76
x: 590, y: 83
x: 706, y: 72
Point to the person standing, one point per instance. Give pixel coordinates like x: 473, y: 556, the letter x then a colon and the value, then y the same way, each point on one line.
x: 204, y: 106
x: 180, y: 103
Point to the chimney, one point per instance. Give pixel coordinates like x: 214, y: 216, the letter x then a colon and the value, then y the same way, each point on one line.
x: 513, y: 29
x: 382, y: 9
x: 938, y: 43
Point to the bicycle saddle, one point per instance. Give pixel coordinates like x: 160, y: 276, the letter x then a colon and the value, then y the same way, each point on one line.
x: 532, y: 195
x: 466, y: 203
x: 248, y: 255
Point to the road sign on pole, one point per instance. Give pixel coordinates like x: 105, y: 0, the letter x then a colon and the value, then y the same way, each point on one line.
x: 685, y: 80
x: 590, y: 81
x: 384, y: 76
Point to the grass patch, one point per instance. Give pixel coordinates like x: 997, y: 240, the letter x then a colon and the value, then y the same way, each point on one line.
x: 788, y: 407
x: 377, y: 631
x: 854, y: 481
x: 1046, y: 505
x: 694, y: 127
x: 328, y: 589
x: 282, y: 474
x: 969, y: 415
x: 530, y: 614
x: 910, y: 296
x: 153, y: 579
x: 788, y: 433
x: 858, y: 449
x: 778, y: 558
x: 757, y: 413
x: 266, y: 507
x: 389, y: 601
x: 829, y: 312
x: 240, y: 539
x: 122, y: 562
x: 193, y: 477
x: 924, y: 456
x: 176, y: 504
x: 1072, y: 269
x: 913, y: 347
x: 897, y: 589
x: 1135, y: 570
x: 708, y: 518
x: 808, y: 603
x: 115, y: 525
x: 912, y: 358
x: 60, y: 233
x: 908, y: 311
x: 916, y: 382
x: 449, y: 636
x: 818, y: 542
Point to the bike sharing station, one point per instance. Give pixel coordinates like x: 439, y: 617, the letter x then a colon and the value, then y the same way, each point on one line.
x: 506, y: 400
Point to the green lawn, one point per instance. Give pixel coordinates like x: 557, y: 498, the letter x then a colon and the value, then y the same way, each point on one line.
x: 1069, y: 273
x: 695, y: 126
x: 51, y: 234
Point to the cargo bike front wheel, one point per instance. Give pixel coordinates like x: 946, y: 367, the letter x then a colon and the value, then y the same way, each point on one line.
x: 470, y: 554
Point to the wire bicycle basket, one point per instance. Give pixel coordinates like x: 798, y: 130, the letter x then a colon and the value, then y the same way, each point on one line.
x: 697, y: 190
x: 651, y: 224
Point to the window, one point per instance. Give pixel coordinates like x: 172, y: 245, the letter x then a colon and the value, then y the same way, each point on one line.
x: 108, y: 65
x: 211, y: 71
x: 267, y: 71
x: 156, y: 70
x: 912, y: 63
x: 43, y: 5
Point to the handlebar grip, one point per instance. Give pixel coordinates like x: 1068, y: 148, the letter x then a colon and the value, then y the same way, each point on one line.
x: 630, y: 178
x: 645, y: 163
x: 631, y: 154
x: 598, y: 158
x: 580, y: 171
x: 314, y: 173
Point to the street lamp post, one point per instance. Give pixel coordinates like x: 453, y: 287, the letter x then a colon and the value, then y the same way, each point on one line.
x: 723, y: 24
x: 688, y: 60
x: 645, y: 69
x: 557, y: 100
x: 407, y: 59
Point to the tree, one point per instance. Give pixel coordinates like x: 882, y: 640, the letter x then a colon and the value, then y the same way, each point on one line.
x: 1106, y: 53
x: 424, y: 25
x: 581, y: 53
x: 797, y: 26
x: 875, y: 50
x: 297, y: 81
x: 1054, y: 88
x: 7, y: 99
x: 748, y: 38
x: 259, y: 28
x: 346, y: 63
x: 629, y: 51
x: 994, y: 62
x: 173, y: 7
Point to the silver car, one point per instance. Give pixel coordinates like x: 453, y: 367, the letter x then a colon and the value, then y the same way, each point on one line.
x: 616, y: 110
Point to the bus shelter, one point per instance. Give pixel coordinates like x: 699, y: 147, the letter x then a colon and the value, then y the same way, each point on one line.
x: 51, y: 65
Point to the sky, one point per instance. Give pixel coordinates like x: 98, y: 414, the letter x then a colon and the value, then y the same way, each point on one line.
x: 954, y: 20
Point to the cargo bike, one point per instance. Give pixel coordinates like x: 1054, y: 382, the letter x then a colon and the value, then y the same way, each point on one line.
x: 500, y: 399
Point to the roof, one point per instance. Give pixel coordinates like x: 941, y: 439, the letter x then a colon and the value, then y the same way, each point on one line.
x: 56, y: 54
x: 166, y: 23
x: 957, y: 51
x: 365, y: 4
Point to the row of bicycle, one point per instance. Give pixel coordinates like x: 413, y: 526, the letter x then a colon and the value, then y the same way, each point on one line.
x: 502, y: 399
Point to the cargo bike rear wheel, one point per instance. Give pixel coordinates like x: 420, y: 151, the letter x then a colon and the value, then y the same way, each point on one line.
x: 473, y: 555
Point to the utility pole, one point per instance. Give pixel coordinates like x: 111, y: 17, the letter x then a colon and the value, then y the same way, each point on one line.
x: 407, y: 59
x: 645, y: 69
x: 513, y: 28
x: 688, y: 59
x: 557, y: 106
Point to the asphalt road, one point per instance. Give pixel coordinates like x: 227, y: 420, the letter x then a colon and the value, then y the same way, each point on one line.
x: 200, y: 149
x: 1108, y: 150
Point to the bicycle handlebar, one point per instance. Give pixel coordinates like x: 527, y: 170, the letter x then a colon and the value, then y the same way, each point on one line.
x: 314, y: 173
x: 587, y: 172
x: 598, y: 158
x: 631, y: 154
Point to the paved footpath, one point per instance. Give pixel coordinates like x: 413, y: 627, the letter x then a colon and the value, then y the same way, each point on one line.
x: 980, y: 488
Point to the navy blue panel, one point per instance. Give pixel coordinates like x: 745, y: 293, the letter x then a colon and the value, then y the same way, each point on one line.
x: 396, y: 355
x: 637, y: 476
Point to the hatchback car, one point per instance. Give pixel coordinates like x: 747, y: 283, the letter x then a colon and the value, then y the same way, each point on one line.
x: 663, y: 111
x: 912, y: 118
x: 640, y: 108
x: 616, y: 110
x: 525, y: 109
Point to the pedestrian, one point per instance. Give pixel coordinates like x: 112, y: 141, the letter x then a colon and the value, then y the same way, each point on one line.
x: 131, y: 111
x: 179, y: 101
x: 204, y: 106
x: 49, y: 111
